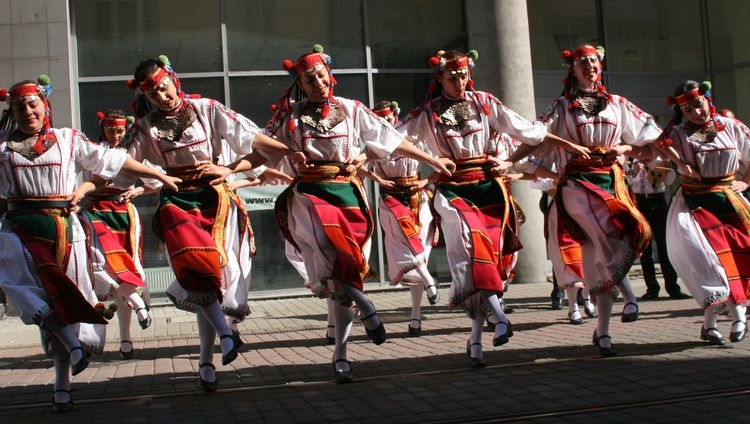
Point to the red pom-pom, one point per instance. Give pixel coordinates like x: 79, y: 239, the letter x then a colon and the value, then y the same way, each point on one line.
x: 100, y: 115
x: 434, y: 62
x: 566, y: 54
x: 132, y: 105
x: 671, y: 101
x: 3, y: 95
x: 274, y: 107
x: 287, y: 65
x: 132, y: 85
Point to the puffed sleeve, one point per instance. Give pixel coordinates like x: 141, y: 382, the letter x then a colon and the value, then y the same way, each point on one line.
x: 503, y: 119
x: 377, y: 134
x: 237, y: 130
x: 638, y: 127
x: 97, y: 158
x: 742, y: 138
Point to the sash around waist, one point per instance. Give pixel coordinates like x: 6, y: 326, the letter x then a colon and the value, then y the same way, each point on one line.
x: 36, y: 204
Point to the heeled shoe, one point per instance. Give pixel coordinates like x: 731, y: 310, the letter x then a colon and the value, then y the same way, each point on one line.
x: 505, y: 337
x: 573, y: 321
x: 330, y: 340
x: 415, y: 331
x: 631, y: 317
x: 595, y: 339
x: 232, y: 354
x: 435, y: 298
x: 343, y: 376
x: 376, y: 335
x: 126, y: 355
x: 144, y: 323
x: 738, y: 336
x: 475, y: 362
x: 712, y: 340
x: 208, y: 386
x: 607, y: 352
x: 81, y: 365
x: 238, y: 343
x: 62, y: 407
x: 590, y: 310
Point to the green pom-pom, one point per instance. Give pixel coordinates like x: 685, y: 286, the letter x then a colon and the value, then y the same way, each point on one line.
x: 473, y: 54
x: 43, y: 80
x: 164, y: 59
x: 131, y: 120
x: 394, y: 104
x: 706, y: 86
x: 317, y: 48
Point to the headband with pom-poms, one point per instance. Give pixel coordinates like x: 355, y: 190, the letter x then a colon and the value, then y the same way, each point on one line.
x: 140, y: 105
x: 283, y: 106
x: 39, y: 90
x: 569, y: 58
x: 702, y: 90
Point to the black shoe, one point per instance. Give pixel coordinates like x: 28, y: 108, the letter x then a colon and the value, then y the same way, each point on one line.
x: 578, y: 321
x: 434, y: 299
x: 62, y: 407
x: 232, y: 354
x: 712, y: 340
x: 415, y: 331
x: 590, y: 310
x: 595, y: 339
x: 238, y: 343
x: 507, y: 309
x: 330, y: 340
x: 475, y: 362
x: 504, y: 338
x: 491, y: 325
x: 579, y: 297
x: 631, y: 317
x: 557, y: 303
x: 81, y: 365
x: 126, y: 355
x: 208, y: 386
x: 738, y: 336
x: 680, y: 295
x: 343, y: 376
x: 377, y: 335
x: 145, y: 323
x: 650, y: 296
x: 607, y: 352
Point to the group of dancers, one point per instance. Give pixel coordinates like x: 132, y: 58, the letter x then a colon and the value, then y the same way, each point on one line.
x: 64, y: 248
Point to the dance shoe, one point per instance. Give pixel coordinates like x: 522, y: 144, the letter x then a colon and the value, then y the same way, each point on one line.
x: 144, y: 323
x: 503, y: 338
x: 81, y: 365
x: 590, y: 310
x: 330, y: 340
x: 376, y: 335
x: 631, y: 317
x: 415, y: 331
x: 238, y: 343
x: 208, y: 386
x: 475, y: 362
x: 606, y: 352
x: 126, y: 355
x: 738, y: 336
x: 712, y: 340
x: 435, y: 298
x: 575, y: 321
x: 62, y: 407
x: 343, y: 376
x: 557, y: 303
x: 230, y: 356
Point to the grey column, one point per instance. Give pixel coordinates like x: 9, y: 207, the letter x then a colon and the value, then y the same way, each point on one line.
x: 499, y: 32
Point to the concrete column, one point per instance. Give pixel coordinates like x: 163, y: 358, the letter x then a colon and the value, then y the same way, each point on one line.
x: 499, y: 32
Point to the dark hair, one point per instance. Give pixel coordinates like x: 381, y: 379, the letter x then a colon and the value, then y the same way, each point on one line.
x: 453, y: 55
x: 115, y: 113
x: 383, y: 104
x: 145, y: 69
x: 685, y: 87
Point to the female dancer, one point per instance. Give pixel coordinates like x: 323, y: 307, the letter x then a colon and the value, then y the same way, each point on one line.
x: 117, y: 237
x: 474, y: 205
x: 595, y: 230
x: 43, y: 248
x: 204, y: 224
x: 708, y: 224
x: 324, y: 213
x: 408, y: 227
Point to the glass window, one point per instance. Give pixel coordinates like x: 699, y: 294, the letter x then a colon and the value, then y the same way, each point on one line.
x: 115, y: 36
x: 262, y: 34
x: 651, y: 35
x: 406, y: 89
x: 558, y: 25
x: 728, y: 32
x: 409, y: 43
x: 727, y: 88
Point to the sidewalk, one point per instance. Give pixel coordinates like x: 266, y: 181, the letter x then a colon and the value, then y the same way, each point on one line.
x: 549, y: 371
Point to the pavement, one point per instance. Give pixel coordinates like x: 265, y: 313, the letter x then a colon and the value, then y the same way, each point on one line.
x: 549, y: 372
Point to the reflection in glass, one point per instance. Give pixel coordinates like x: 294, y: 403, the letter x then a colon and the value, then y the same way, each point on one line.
x: 115, y: 36
x: 728, y: 32
x: 558, y: 25
x: 261, y: 34
x: 407, y: 89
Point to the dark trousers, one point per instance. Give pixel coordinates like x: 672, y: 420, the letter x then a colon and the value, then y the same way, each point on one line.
x: 654, y: 208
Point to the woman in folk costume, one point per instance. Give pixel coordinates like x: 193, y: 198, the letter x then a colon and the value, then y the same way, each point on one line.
x: 324, y: 213
x: 406, y: 218
x: 595, y: 230
x: 708, y: 225
x: 204, y: 223
x: 474, y: 205
x: 117, y: 237
x: 44, y: 258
